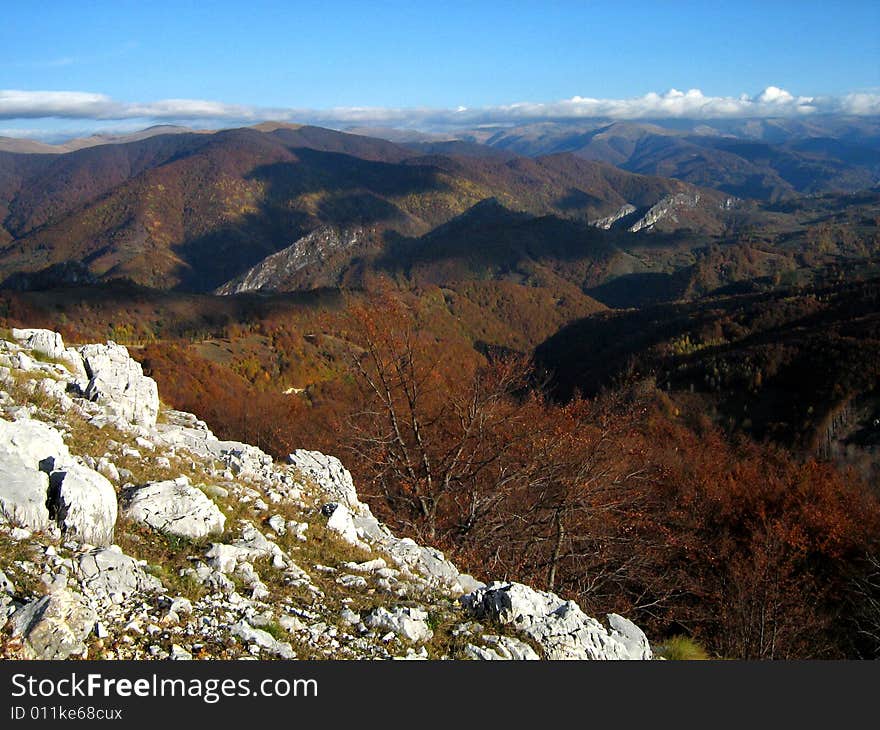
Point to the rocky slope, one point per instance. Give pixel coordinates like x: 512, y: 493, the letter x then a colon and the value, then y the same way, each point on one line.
x: 128, y: 530
x: 317, y: 249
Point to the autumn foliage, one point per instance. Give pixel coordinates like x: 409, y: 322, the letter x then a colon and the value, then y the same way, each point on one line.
x: 616, y: 501
x: 612, y: 501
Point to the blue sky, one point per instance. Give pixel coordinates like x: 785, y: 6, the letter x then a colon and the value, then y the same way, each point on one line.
x: 261, y: 57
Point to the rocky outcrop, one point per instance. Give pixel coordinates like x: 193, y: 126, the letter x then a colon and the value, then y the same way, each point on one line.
x: 331, y: 476
x: 43, y: 342
x: 275, y: 272
x: 37, y: 444
x: 607, y: 222
x: 55, y: 626
x: 23, y: 494
x: 631, y: 636
x: 174, y: 508
x: 665, y: 208
x: 302, y: 558
x: 118, y: 382
x: 501, y: 648
x: 559, y: 627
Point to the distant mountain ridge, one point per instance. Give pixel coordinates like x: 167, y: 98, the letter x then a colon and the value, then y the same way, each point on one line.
x: 30, y: 146
x: 192, y: 211
x: 767, y: 159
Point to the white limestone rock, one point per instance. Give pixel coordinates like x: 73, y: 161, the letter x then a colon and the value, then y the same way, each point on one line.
x: 242, y: 459
x: 28, y: 449
x: 117, y: 382
x: 237, y: 558
x: 368, y: 566
x: 7, y: 591
x: 44, y: 342
x: 341, y: 522
x: 631, y: 636
x: 54, y: 626
x: 559, y: 627
x: 23, y: 491
x: 6, y: 585
x: 178, y: 654
x: 108, y: 469
x: 83, y: 503
x: 427, y: 562
x: 665, y: 208
x: 330, y: 476
x: 174, y: 507
x: 278, y: 524
x: 408, y: 623
x: 109, y: 573
x: 263, y: 639
x: 502, y: 648
x: 37, y: 444
x: 608, y: 221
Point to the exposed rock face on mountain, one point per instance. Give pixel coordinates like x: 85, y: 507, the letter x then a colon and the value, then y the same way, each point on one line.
x: 608, y: 221
x: 278, y: 271
x: 124, y: 536
x: 666, y: 208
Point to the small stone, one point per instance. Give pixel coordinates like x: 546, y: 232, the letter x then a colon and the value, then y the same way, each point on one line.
x: 178, y: 653
x: 277, y: 523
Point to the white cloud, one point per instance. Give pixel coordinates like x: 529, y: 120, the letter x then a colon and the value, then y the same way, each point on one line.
x: 41, y: 104
x: 693, y: 104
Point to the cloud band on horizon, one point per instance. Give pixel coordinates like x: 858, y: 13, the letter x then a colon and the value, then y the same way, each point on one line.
x: 693, y: 104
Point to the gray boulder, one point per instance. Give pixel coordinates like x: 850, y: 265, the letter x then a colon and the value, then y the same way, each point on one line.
x: 28, y: 449
x: 54, y: 626
x: 117, y: 382
x: 109, y: 573
x: 175, y: 507
x: 37, y: 444
x: 23, y: 492
x: 559, y: 627
x: 83, y: 503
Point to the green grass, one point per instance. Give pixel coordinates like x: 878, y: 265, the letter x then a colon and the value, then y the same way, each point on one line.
x: 681, y: 648
x: 44, y: 358
x: 166, y: 556
x: 12, y: 551
x: 275, y: 630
